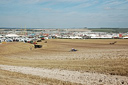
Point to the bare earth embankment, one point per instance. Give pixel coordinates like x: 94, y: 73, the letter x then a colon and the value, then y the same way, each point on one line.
x: 95, y: 63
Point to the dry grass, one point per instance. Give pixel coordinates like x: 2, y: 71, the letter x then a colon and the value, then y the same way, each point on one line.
x: 14, y: 78
x: 93, y: 55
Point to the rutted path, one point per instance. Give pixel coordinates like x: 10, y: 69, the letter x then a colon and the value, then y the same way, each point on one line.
x: 72, y: 76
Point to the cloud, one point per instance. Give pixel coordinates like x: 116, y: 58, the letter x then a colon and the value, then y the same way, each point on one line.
x: 39, y: 1
x: 113, y: 3
x: 107, y: 8
x: 73, y: 1
x: 47, y: 9
x: 63, y: 13
x: 22, y: 1
x: 50, y: 10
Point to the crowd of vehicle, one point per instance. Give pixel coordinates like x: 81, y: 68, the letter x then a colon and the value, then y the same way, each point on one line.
x: 20, y: 39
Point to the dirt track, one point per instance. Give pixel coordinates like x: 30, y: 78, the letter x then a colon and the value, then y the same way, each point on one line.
x: 96, y: 61
x: 72, y: 76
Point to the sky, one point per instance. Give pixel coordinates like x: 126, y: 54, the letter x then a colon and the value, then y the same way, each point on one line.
x: 64, y: 13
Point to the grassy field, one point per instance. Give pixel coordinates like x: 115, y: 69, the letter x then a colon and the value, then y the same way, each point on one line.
x: 93, y: 55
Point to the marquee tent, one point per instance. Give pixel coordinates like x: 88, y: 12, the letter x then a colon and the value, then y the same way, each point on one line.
x: 12, y: 35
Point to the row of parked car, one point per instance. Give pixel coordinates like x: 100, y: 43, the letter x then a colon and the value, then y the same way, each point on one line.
x: 18, y: 39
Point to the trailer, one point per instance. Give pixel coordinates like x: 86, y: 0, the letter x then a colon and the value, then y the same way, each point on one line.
x: 37, y: 46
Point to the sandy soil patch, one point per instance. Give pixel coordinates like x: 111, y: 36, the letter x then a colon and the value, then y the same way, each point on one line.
x: 72, y: 76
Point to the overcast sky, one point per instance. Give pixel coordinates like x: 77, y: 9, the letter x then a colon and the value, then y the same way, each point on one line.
x: 63, y: 13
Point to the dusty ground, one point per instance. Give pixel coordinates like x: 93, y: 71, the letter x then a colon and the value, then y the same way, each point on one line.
x: 85, y: 78
x: 93, y: 56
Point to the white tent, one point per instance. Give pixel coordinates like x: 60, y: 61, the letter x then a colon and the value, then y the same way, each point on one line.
x: 126, y: 37
x: 12, y: 35
x: 1, y: 36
